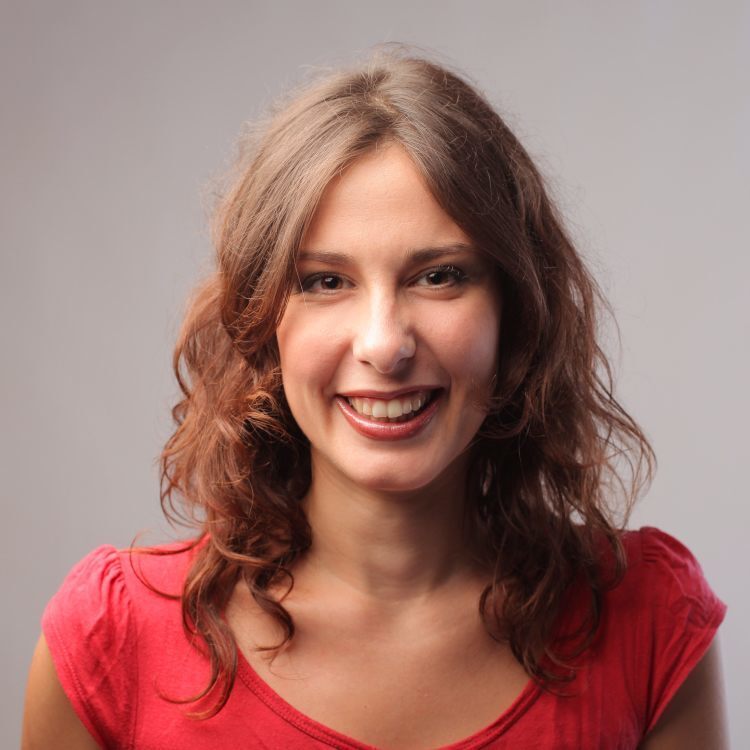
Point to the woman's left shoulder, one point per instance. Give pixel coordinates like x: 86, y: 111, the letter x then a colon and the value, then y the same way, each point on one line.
x: 664, y: 576
x: 659, y: 621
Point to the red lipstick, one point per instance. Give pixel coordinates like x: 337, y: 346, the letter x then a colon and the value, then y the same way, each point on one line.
x: 378, y: 430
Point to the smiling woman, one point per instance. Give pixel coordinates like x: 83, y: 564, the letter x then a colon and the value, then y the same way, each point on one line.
x: 396, y: 449
x: 403, y: 317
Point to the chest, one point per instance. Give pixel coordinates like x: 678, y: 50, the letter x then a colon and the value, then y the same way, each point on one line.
x: 422, y: 688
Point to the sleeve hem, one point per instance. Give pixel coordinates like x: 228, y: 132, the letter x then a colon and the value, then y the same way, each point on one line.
x: 697, y: 652
x: 68, y: 678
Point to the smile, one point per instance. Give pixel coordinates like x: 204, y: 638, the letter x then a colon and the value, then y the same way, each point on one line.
x: 393, y: 410
x: 412, y: 412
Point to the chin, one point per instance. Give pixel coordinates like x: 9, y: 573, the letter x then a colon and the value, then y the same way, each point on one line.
x: 396, y: 477
x: 395, y: 485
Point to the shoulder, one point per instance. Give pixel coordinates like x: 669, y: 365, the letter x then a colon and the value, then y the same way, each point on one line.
x: 664, y: 578
x: 159, y: 569
x: 660, y: 620
x: 111, y: 580
x: 109, y: 608
x: 94, y: 587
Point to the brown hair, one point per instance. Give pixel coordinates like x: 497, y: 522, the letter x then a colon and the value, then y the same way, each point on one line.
x: 544, y: 461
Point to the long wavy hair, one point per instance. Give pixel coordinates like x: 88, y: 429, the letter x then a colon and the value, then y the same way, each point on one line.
x: 554, y: 447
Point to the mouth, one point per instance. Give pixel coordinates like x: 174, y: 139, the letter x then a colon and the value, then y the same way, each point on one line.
x: 402, y: 416
x: 400, y: 409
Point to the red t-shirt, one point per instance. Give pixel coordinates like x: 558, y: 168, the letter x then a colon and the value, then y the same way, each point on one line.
x: 116, y: 644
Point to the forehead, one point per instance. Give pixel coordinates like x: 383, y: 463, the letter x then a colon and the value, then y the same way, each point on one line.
x: 380, y: 201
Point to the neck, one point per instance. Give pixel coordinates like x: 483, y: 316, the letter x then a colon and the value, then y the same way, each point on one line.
x: 387, y: 548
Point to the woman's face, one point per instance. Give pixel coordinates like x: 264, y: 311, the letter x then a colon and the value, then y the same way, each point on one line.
x: 389, y: 349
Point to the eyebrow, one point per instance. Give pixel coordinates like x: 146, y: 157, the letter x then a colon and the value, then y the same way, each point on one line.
x: 420, y: 255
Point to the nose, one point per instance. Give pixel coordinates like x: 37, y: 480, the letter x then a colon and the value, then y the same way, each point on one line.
x: 383, y: 336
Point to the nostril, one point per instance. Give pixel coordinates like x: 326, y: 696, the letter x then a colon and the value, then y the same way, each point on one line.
x: 386, y: 353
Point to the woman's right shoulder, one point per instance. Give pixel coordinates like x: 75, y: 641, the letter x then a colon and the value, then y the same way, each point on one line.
x: 110, y: 619
x: 111, y: 595
x: 159, y: 569
x: 112, y: 576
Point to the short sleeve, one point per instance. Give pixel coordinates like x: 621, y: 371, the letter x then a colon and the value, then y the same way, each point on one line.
x: 89, y: 628
x: 684, y: 615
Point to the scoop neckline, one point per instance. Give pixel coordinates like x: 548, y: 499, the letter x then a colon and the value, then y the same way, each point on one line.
x: 332, y: 737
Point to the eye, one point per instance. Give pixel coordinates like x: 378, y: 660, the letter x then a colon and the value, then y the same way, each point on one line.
x: 323, y: 282
x: 442, y: 276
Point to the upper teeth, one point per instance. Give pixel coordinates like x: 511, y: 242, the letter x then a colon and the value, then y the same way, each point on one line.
x: 396, y: 407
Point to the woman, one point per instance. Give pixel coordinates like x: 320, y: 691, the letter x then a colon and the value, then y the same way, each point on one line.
x: 397, y: 446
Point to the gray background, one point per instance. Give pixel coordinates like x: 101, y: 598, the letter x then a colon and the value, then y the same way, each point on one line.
x: 115, y: 118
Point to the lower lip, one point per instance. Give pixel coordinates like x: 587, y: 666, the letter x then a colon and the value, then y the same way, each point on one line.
x: 387, y: 430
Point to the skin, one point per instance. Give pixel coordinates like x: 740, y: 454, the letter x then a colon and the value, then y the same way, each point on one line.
x: 49, y: 720
x: 386, y: 515
x: 382, y: 318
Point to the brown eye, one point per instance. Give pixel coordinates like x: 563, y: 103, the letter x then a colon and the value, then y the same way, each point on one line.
x: 437, y: 277
x: 323, y: 282
x: 330, y: 282
x: 443, y: 276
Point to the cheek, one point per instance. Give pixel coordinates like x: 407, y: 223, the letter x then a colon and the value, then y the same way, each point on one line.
x: 469, y: 342
x: 308, y: 353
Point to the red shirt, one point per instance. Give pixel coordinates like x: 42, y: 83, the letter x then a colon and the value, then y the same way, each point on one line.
x: 115, y: 644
